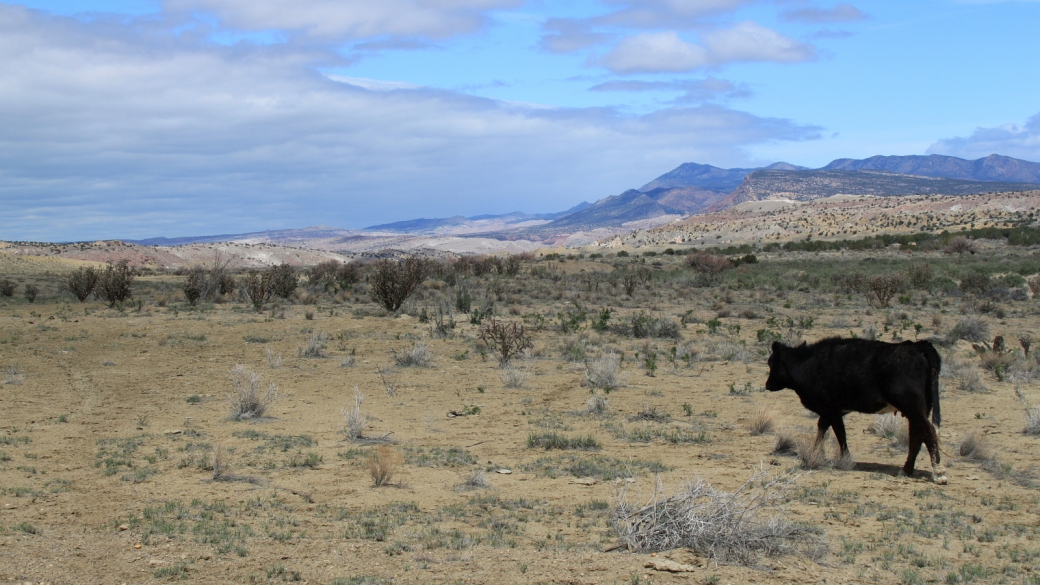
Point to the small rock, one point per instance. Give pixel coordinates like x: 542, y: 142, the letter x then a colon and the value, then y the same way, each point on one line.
x: 669, y: 566
x: 124, y: 527
x: 156, y: 562
x: 137, y: 546
x: 505, y: 471
x: 173, y: 432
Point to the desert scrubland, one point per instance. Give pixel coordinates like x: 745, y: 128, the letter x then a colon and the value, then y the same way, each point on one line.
x: 321, y: 438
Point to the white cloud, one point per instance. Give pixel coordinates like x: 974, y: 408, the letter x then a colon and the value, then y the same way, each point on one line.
x: 655, y: 52
x: 666, y: 52
x: 349, y: 19
x: 1017, y: 141
x: 125, y: 131
x: 748, y: 41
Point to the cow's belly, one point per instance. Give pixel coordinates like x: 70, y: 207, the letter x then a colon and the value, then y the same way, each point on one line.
x: 883, y: 408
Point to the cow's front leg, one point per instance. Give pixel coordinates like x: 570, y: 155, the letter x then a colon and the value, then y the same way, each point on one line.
x: 821, y: 430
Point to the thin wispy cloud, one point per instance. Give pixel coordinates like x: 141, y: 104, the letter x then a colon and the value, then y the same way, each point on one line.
x: 340, y: 20
x: 835, y: 14
x: 694, y: 90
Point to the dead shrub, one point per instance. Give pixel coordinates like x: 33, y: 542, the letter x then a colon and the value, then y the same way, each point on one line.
x: 248, y: 399
x: 505, y: 339
x: 1032, y: 421
x: 736, y: 526
x: 258, y: 289
x: 883, y: 287
x: 383, y: 465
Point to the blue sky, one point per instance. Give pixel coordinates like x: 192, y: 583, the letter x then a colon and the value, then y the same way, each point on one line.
x: 130, y: 118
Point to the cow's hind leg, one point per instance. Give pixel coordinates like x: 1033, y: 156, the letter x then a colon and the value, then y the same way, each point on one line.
x: 915, y: 447
x: 822, y: 426
x: 839, y: 433
x: 931, y: 440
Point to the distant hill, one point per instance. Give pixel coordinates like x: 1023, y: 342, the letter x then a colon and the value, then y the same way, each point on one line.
x: 815, y: 184
x: 991, y: 168
x: 708, y: 177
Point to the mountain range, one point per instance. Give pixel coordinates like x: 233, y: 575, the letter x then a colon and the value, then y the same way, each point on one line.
x: 693, y: 188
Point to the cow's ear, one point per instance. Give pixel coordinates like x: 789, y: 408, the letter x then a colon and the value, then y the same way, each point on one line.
x: 776, y: 346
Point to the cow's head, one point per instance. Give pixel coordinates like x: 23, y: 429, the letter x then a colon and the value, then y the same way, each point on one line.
x: 778, y: 378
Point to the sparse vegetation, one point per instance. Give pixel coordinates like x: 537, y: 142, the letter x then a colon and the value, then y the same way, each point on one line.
x: 248, y: 399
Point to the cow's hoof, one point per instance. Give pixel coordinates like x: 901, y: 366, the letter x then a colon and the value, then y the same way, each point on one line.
x: 941, y: 480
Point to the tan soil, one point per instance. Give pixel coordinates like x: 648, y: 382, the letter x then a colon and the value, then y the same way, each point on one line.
x: 117, y: 376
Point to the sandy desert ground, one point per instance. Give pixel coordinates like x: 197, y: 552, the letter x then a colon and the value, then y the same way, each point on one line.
x: 111, y: 421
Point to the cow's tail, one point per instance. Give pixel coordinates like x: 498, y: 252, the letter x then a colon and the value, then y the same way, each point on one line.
x: 934, y: 367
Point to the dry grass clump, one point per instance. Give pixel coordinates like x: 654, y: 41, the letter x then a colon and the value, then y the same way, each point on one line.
x: 13, y: 375
x: 514, y: 376
x: 383, y: 465
x: 726, y: 350
x: 762, y: 423
x: 1032, y: 421
x: 733, y: 526
x: 605, y: 373
x: 786, y: 444
x: 812, y: 454
x: 316, y: 345
x: 892, y: 427
x: 975, y: 446
x: 476, y: 481
x: 274, y: 361
x: 248, y: 400
x: 596, y: 404
x: 354, y: 421
x: 845, y: 462
x: 418, y: 355
x: 650, y: 413
x: 222, y: 468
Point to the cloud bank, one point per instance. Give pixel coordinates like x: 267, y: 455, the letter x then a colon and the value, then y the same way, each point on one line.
x: 114, y: 130
x: 1016, y: 141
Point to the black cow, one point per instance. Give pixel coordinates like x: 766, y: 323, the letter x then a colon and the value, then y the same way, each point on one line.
x: 836, y: 376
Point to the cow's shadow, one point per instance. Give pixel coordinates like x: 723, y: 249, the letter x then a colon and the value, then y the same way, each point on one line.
x: 889, y: 469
